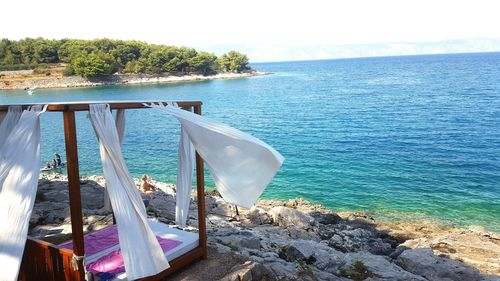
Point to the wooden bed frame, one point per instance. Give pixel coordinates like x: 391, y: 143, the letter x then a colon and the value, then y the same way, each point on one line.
x: 44, y: 261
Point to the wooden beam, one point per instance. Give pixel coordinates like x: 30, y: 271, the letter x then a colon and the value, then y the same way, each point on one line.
x: 75, y: 200
x: 114, y: 105
x: 200, y: 191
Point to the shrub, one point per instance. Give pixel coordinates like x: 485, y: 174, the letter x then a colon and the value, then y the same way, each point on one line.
x: 68, y: 71
x: 93, y: 65
x: 233, y: 247
x: 233, y: 61
x: 358, y: 271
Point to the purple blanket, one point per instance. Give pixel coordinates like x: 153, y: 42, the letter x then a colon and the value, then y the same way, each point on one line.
x: 112, y: 263
x: 97, y: 241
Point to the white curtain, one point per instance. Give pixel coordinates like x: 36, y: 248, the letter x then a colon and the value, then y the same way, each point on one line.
x: 9, y: 121
x: 19, y: 170
x: 2, y: 116
x: 120, y: 124
x: 120, y: 127
x: 184, y: 178
x: 241, y: 165
x: 142, y: 254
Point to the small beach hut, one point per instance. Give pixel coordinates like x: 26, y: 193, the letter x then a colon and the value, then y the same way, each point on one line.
x: 240, y: 164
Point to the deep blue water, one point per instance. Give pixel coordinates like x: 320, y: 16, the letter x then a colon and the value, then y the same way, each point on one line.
x: 401, y: 137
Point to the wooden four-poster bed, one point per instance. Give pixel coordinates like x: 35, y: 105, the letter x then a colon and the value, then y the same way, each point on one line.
x: 45, y: 261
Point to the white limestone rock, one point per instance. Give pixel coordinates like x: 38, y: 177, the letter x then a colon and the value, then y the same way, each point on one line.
x: 163, y: 205
x: 257, y: 216
x: 423, y: 262
x: 381, y: 267
x: 284, y: 217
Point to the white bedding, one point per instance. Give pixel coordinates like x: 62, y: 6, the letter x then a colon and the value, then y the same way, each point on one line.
x: 189, y: 239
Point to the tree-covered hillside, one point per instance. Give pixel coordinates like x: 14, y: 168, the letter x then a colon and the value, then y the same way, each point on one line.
x: 102, y: 57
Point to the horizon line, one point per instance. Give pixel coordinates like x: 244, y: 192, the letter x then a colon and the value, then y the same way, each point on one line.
x: 381, y: 56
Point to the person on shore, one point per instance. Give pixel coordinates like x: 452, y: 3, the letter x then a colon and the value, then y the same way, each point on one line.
x: 47, y: 166
x: 54, y: 164
x: 58, y: 159
x: 146, y: 187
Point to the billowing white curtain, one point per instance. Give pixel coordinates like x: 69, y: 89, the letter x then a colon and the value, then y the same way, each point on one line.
x: 184, y: 178
x: 142, y: 254
x: 8, y: 123
x: 241, y: 165
x: 19, y: 170
x: 120, y: 124
x: 120, y: 128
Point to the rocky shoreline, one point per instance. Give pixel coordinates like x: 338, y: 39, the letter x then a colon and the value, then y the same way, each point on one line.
x: 19, y: 80
x: 293, y: 240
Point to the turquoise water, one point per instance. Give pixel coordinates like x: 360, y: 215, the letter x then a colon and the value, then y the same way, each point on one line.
x: 401, y: 137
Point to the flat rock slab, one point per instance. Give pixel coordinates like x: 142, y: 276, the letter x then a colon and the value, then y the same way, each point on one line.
x: 284, y: 216
x: 434, y: 268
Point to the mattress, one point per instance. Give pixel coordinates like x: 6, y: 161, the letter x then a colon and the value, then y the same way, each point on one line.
x: 104, y: 243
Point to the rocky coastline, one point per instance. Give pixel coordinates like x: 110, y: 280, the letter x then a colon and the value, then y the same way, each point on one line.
x: 291, y: 240
x: 24, y: 79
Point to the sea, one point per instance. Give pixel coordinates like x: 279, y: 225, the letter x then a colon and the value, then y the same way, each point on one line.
x: 402, y: 138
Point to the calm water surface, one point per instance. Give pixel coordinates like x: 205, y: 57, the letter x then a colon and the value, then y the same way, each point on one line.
x: 401, y: 137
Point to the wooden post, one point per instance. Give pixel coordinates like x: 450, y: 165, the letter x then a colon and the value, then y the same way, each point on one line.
x: 200, y: 191
x: 75, y: 201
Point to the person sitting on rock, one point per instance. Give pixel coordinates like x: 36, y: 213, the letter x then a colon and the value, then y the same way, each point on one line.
x: 146, y: 187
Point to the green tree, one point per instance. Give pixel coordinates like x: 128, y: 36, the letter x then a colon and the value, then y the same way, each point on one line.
x: 158, y: 57
x: 9, y: 54
x: 233, y: 61
x: 93, y: 65
x: 45, y: 51
x: 10, y: 59
x: 4, y: 49
x: 126, y: 52
x: 25, y: 47
x: 75, y: 48
x: 204, y: 63
x: 173, y: 65
x: 104, y: 45
x: 185, y: 56
x: 136, y: 66
x: 99, y: 57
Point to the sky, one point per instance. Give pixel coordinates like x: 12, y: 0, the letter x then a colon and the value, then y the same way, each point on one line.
x: 268, y: 30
